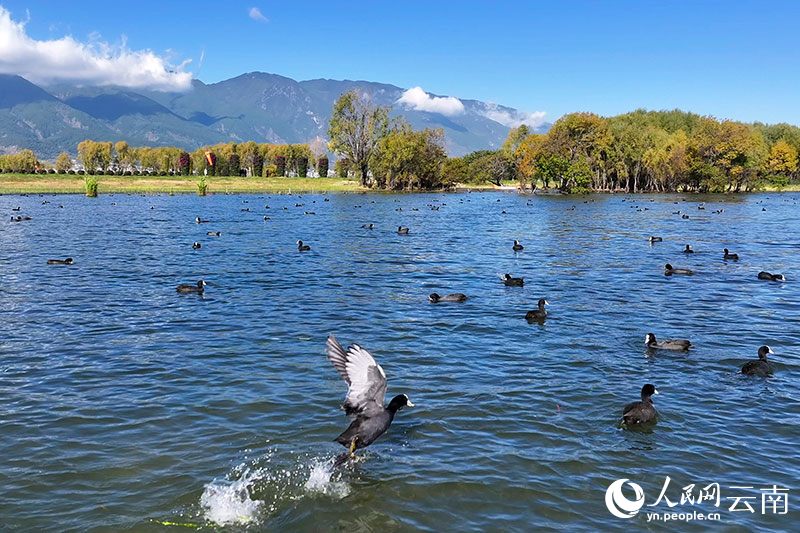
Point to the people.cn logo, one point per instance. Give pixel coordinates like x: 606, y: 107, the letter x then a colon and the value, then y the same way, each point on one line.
x: 621, y: 506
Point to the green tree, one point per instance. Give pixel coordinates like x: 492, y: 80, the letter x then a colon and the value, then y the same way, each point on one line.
x: 455, y: 170
x: 234, y: 164
x: 302, y: 166
x: 356, y: 127
x: 407, y: 159
x: 578, y: 178
x: 280, y: 165
x: 515, y: 137
x: 549, y: 167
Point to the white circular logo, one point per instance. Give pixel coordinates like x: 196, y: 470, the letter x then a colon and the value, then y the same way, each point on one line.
x: 621, y: 506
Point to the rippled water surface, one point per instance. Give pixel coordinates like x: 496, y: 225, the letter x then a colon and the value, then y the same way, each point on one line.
x: 125, y: 406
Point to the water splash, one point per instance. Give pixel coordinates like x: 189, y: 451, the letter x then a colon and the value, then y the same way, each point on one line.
x: 262, y: 488
x: 229, y: 502
x: 324, y: 480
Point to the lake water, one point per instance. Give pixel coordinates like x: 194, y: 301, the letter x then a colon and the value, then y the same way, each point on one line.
x: 125, y: 406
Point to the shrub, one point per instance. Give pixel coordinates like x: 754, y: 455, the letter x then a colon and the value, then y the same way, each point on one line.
x: 202, y: 186
x: 280, y: 165
x: 778, y: 181
x: 91, y: 186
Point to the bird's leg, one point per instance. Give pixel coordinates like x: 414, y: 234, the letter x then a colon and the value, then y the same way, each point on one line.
x: 353, y: 446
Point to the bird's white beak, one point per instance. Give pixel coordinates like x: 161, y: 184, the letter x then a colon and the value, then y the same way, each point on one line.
x: 770, y: 350
x: 655, y: 391
x: 408, y: 402
x: 546, y: 302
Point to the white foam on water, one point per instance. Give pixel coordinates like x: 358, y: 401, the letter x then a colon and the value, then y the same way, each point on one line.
x: 228, y: 502
x: 321, y: 481
x: 260, y: 490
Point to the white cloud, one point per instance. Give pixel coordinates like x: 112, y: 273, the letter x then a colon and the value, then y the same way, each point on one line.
x: 513, y: 118
x: 256, y: 14
x: 419, y: 100
x: 95, y: 62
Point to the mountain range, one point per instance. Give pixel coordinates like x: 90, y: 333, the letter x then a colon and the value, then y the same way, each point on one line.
x: 256, y: 106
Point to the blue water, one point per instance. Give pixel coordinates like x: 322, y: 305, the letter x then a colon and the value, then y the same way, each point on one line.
x: 125, y: 406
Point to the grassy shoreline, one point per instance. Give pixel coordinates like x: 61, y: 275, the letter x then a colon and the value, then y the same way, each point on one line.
x: 75, y: 184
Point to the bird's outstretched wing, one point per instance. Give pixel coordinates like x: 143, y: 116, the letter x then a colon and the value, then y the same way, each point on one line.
x: 365, y: 377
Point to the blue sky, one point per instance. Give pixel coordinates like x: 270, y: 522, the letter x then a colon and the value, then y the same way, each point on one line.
x: 738, y: 60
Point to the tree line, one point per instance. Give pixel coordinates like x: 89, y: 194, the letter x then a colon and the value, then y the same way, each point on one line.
x: 224, y: 159
x: 642, y: 151
x: 655, y: 151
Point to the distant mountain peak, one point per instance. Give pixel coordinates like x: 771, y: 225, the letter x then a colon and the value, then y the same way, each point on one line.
x: 258, y: 106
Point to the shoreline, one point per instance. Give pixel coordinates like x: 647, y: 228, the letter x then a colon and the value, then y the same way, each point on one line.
x: 75, y: 184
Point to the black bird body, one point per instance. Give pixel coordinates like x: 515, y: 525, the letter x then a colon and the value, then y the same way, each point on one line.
x: 517, y: 246
x: 759, y: 367
x: 67, y: 261
x: 402, y: 231
x: 538, y: 314
x: 365, y: 396
x: 200, y: 220
x: 196, y: 245
x: 669, y: 270
x: 668, y: 344
x: 213, y: 233
x: 302, y: 247
x: 688, y: 250
x: 365, y: 430
x: 728, y: 255
x: 455, y: 297
x: 770, y: 277
x: 508, y: 281
x: 184, y: 288
x: 655, y: 239
x: 641, y: 412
